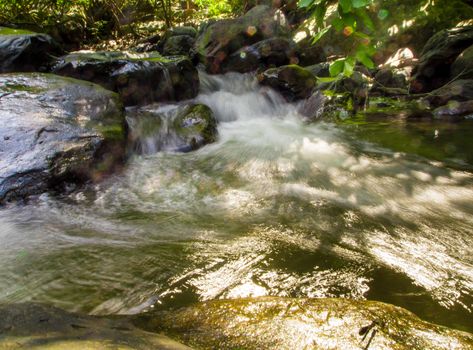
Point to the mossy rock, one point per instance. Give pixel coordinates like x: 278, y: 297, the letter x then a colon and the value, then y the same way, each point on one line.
x: 56, y: 129
x: 26, y: 51
x: 139, y: 78
x: 286, y: 323
x: 196, y: 125
x: 292, y: 81
x: 179, y: 129
x: 220, y: 39
x: 434, y: 68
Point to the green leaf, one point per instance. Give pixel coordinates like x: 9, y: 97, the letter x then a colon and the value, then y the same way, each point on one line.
x: 338, y: 24
x: 320, y: 34
x: 345, y: 5
x: 319, y: 14
x: 365, y: 18
x: 304, y: 3
x: 360, y: 3
x: 327, y: 79
x: 309, y: 3
x: 349, y: 66
x: 336, y: 67
x: 364, y: 58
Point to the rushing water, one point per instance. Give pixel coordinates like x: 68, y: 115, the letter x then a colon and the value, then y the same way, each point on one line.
x: 275, y: 207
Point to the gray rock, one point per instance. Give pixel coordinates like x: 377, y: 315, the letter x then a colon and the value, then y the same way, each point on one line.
x: 321, y: 70
x: 53, y: 130
x: 219, y: 40
x: 434, y: 66
x: 180, y: 129
x: 454, y: 110
x: 292, y: 81
x: 313, y: 108
x: 285, y: 323
x: 458, y: 90
x: 390, y: 78
x: 138, y: 78
x: 264, y: 54
x: 178, y: 45
x: 36, y: 326
x: 25, y: 51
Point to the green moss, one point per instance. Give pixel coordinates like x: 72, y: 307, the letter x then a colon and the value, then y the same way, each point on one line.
x: 112, y: 132
x: 107, y: 56
x: 197, y: 120
x: 11, y: 31
x: 9, y: 88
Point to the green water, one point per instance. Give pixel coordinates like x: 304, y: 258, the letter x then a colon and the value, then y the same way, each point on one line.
x: 275, y: 207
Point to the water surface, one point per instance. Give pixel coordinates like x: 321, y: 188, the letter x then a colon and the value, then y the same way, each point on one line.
x: 275, y: 207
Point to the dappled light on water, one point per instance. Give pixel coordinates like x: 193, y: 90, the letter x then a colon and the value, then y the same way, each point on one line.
x: 275, y: 207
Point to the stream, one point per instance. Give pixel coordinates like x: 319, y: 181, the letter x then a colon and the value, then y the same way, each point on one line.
x: 365, y: 210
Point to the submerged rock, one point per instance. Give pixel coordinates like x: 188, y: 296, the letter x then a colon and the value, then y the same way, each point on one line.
x: 223, y: 38
x: 55, y: 129
x: 28, y: 326
x: 292, y: 81
x: 454, y: 110
x: 25, y: 51
x: 138, y: 78
x: 284, y: 323
x: 171, y: 128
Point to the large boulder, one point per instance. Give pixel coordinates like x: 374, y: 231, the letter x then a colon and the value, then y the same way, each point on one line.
x: 175, y: 41
x: 25, y: 51
x: 439, y: 53
x: 219, y: 40
x: 292, y: 81
x: 285, y: 323
x: 459, y: 90
x: 55, y: 130
x: 138, y: 78
x: 463, y: 65
x: 36, y: 326
x: 265, y: 53
x: 182, y: 128
x: 177, y: 45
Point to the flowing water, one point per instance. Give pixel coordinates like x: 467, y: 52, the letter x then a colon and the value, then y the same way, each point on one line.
x: 364, y: 210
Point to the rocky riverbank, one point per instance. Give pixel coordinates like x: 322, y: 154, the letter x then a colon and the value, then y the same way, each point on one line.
x: 252, y: 323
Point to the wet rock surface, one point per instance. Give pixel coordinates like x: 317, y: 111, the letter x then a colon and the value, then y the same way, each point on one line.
x: 223, y: 38
x: 139, y: 78
x: 25, y: 51
x: 55, y: 129
x: 284, y: 323
x: 292, y: 81
x: 181, y: 128
x: 36, y: 326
